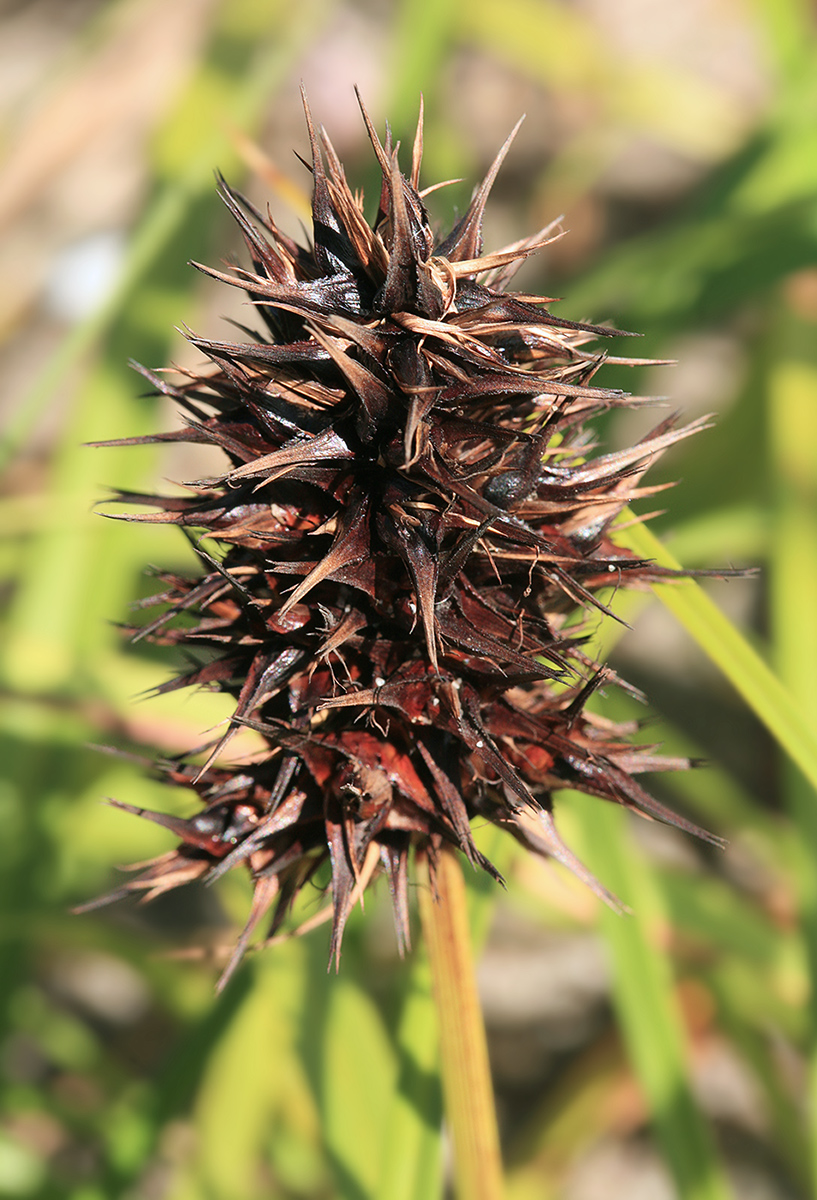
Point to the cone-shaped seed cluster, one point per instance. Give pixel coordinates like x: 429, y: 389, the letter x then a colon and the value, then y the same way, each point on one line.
x: 411, y: 512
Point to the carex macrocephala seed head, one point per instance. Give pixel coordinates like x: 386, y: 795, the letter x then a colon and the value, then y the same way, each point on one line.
x: 411, y: 518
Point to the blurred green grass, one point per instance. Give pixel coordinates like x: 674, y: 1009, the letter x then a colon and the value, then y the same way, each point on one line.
x: 291, y: 1084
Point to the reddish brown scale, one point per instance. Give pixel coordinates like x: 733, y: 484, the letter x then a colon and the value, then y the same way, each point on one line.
x: 410, y: 510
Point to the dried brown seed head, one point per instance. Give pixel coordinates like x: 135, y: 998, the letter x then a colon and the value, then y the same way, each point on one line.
x: 409, y: 513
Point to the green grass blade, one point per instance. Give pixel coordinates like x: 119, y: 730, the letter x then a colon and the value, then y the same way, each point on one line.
x: 352, y: 1067
x: 420, y: 37
x: 193, y: 141
x: 730, y: 651
x: 412, y: 1167
x: 645, y: 1001
x: 155, y: 232
x: 787, y: 29
x: 250, y: 1080
x: 792, y: 407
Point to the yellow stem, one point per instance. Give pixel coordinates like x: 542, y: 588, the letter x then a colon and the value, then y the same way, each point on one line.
x: 466, y: 1074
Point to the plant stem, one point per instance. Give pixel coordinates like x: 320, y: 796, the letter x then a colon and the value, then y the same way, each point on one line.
x: 466, y: 1074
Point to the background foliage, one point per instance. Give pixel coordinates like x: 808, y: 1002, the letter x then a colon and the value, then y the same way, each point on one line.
x: 671, y: 1051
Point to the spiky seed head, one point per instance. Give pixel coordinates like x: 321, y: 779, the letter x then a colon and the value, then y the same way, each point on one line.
x: 410, y: 520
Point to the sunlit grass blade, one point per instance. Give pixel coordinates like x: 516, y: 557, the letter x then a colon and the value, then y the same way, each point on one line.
x: 792, y: 408
x: 196, y: 135
x: 412, y: 1163
x: 421, y: 34
x: 729, y: 650
x: 252, y: 1083
x: 352, y: 1066
x: 787, y: 30
x: 645, y: 1001
x: 571, y: 1117
x: 701, y: 541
